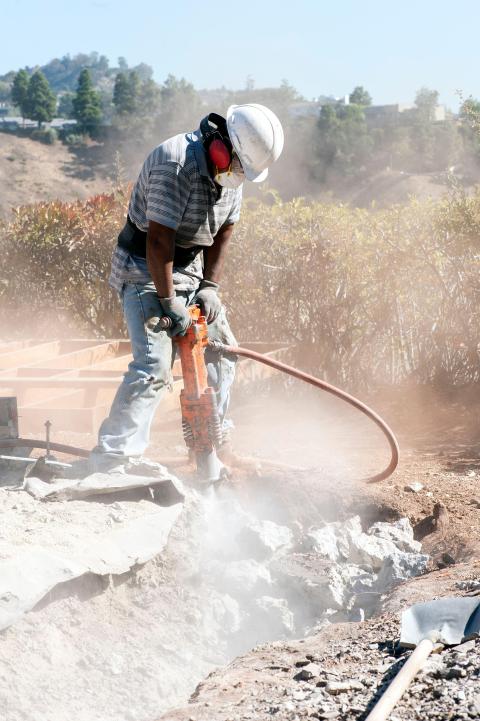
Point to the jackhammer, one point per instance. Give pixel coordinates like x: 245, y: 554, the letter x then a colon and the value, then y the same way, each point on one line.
x: 201, y: 424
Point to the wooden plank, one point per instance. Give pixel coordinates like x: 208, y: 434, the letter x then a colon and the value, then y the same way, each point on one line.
x: 82, y: 420
x: 78, y: 398
x: 59, y: 382
x: 7, y: 346
x: 36, y: 353
x: 80, y: 358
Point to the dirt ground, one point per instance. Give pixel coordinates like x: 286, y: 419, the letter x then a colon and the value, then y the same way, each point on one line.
x: 317, y: 453
x: 31, y: 172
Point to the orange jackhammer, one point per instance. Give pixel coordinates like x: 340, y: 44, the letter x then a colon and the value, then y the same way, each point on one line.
x: 202, y: 427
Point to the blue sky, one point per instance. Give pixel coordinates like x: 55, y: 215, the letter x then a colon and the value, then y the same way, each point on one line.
x: 320, y: 47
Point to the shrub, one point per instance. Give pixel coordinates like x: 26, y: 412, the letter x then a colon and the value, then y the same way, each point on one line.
x: 49, y: 136
x: 75, y: 139
x: 364, y: 296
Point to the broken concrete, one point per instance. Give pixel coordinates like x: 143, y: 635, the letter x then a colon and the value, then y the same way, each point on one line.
x: 30, y: 574
x: 224, y: 581
x: 96, y: 484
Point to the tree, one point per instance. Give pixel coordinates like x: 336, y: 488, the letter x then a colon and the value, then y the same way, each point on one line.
x: 125, y: 93
x: 65, y: 105
x: 5, y: 91
x: 343, y: 142
x: 181, y: 106
x: 426, y: 101
x: 19, y: 91
x: 470, y: 127
x: 87, y: 109
x: 423, y: 131
x: 360, y: 96
x: 41, y: 103
x: 148, y: 98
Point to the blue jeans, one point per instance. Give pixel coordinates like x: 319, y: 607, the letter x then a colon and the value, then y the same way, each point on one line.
x: 126, y: 431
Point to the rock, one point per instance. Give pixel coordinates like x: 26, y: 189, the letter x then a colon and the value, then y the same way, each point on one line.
x: 414, y: 487
x: 400, y: 533
x: 333, y: 540
x: 400, y: 566
x: 261, y: 539
x: 356, y: 615
x: 241, y: 579
x: 465, y: 647
x: 334, y: 688
x: 275, y: 615
x: 453, y: 672
x: 307, y: 672
x: 371, y: 550
x: 226, y: 612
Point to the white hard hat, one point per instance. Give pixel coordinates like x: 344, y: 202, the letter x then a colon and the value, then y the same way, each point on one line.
x: 257, y: 138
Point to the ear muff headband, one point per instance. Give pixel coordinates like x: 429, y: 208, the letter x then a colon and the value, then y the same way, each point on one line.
x: 216, y: 141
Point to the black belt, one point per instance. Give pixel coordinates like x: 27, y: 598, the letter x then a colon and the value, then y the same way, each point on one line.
x: 134, y: 241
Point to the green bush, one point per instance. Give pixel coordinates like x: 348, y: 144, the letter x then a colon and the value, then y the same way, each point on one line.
x: 49, y: 136
x: 75, y: 139
x: 365, y: 296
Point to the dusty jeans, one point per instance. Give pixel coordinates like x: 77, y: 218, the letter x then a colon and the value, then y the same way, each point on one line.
x: 126, y: 431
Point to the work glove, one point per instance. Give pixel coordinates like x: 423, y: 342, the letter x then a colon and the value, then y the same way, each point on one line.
x: 176, y: 310
x: 208, y: 300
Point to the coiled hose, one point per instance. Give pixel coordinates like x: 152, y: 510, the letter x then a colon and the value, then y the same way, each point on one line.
x: 324, y: 386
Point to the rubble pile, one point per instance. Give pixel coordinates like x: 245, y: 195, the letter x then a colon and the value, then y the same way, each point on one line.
x: 225, y: 581
x: 280, y: 582
x: 435, y: 693
x: 338, y: 673
x: 447, y: 688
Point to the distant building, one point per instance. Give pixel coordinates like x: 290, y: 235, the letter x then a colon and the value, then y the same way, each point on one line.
x: 305, y: 110
x: 11, y: 124
x: 403, y: 113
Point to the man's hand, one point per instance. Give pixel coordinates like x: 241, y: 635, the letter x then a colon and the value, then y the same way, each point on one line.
x: 175, y: 309
x: 208, y: 300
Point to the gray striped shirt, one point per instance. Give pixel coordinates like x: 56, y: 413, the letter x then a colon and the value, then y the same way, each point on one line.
x: 175, y: 189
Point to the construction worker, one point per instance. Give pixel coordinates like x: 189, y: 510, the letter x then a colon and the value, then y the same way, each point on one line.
x: 170, y: 253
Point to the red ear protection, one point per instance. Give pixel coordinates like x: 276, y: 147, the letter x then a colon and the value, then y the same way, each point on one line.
x: 220, y: 155
x: 216, y: 141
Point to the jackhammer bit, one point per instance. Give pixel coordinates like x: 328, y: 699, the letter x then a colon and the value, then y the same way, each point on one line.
x: 201, y: 424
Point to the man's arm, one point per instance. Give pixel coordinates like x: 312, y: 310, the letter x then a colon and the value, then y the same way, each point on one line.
x: 160, y: 253
x: 215, y: 254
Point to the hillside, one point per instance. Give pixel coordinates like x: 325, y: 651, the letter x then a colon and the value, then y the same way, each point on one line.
x: 30, y: 172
